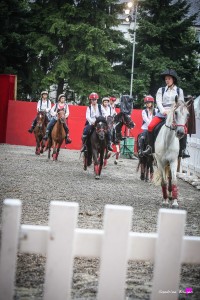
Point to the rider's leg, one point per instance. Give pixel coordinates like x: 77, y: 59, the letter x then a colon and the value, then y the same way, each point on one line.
x: 141, y: 143
x: 150, y: 147
x: 183, y: 144
x: 49, y: 128
x: 67, y: 139
x: 109, y: 141
x: 84, y: 137
x: 33, y: 125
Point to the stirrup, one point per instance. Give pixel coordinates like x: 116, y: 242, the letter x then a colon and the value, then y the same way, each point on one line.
x: 84, y: 148
x: 110, y: 148
x: 31, y: 130
x: 68, y: 141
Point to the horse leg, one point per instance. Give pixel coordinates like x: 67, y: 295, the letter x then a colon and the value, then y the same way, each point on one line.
x: 117, y: 154
x: 142, y: 171
x: 58, y: 151
x: 170, y: 186
x: 101, y: 161
x: 54, y: 155
x: 37, y: 150
x: 173, y: 167
x: 96, y: 163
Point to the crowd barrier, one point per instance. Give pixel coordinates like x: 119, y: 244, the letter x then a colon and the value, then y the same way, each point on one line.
x: 61, y: 241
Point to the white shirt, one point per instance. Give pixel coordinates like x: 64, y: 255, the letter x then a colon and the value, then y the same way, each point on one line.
x: 60, y: 106
x: 147, y: 119
x: 42, y: 105
x: 109, y: 110
x: 92, y: 113
x: 168, y: 99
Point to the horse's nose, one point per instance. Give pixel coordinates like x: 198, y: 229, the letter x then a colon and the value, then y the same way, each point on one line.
x: 180, y: 132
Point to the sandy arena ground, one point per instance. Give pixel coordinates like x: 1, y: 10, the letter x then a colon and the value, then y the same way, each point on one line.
x: 37, y: 181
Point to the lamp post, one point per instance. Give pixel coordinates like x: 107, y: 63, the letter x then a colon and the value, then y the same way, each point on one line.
x: 133, y: 53
x: 134, y: 9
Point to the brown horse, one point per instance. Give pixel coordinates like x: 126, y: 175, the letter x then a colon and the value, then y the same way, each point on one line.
x: 39, y: 132
x: 57, y: 135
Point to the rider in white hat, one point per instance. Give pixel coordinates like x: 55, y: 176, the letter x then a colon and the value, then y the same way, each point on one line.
x: 44, y: 104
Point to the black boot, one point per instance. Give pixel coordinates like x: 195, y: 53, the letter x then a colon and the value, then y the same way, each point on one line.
x: 68, y: 140
x: 109, y: 143
x: 141, y: 146
x: 31, y: 129
x: 33, y: 125
x: 84, y: 139
x: 150, y: 147
x: 183, y: 144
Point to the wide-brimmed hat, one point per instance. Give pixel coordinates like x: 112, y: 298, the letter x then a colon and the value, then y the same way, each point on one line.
x: 170, y: 72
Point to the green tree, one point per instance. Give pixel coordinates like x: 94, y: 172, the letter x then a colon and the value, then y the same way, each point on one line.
x: 14, y: 28
x: 74, y: 42
x: 165, y: 38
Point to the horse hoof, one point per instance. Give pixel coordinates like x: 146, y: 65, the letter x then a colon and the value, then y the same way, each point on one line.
x: 37, y: 153
x: 85, y: 168
x: 97, y: 177
x: 115, y: 162
x: 175, y: 205
x: 165, y: 204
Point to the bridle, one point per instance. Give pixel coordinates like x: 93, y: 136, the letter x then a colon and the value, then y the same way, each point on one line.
x: 101, y: 128
x: 174, y: 124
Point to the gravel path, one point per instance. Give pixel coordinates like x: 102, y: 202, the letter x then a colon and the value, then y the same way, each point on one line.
x: 37, y: 181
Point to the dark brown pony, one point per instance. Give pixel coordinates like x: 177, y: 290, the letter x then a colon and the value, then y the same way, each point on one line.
x: 57, y: 135
x: 96, y: 146
x: 39, y: 132
x: 145, y: 163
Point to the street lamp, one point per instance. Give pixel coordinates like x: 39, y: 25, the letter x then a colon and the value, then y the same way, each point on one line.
x: 129, y: 19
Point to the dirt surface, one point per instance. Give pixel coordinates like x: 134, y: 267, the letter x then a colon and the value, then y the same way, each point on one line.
x: 37, y: 181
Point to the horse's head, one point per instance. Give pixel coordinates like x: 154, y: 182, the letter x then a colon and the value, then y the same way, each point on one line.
x: 101, y: 127
x: 40, y: 118
x: 128, y: 121
x: 110, y: 122
x: 179, y: 115
x: 61, y: 115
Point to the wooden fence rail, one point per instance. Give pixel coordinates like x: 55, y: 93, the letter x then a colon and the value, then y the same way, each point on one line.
x: 115, y: 244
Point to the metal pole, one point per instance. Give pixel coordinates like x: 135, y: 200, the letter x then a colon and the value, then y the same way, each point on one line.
x: 133, y: 54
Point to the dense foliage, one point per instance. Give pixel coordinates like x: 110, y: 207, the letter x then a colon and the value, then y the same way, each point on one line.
x: 75, y: 45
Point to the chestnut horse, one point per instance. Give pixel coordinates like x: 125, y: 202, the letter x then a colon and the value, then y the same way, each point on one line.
x: 57, y: 135
x: 39, y: 132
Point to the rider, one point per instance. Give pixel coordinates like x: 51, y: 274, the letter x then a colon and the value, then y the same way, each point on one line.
x: 112, y: 105
x: 93, y: 111
x: 165, y: 98
x: 61, y: 104
x: 147, y: 115
x: 44, y: 104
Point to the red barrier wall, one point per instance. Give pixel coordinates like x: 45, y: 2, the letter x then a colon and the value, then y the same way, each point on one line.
x: 21, y: 115
x: 7, y: 91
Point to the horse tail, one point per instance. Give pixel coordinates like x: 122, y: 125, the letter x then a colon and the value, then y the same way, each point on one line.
x: 157, y: 177
x: 167, y: 170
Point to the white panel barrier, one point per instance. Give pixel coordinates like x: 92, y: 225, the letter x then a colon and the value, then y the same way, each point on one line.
x: 61, y: 241
x: 191, y: 166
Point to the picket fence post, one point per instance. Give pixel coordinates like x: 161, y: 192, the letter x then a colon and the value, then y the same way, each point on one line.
x: 167, y: 263
x: 114, y: 256
x: 60, y: 250
x: 9, y: 246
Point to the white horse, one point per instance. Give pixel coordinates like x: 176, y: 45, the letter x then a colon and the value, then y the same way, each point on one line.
x: 167, y: 150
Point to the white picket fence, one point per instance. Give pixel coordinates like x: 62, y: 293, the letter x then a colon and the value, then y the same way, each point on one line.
x: 115, y: 244
x: 191, y: 166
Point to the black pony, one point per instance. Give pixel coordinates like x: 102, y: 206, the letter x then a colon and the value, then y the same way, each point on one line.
x: 115, y: 125
x: 145, y: 162
x: 96, y: 146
